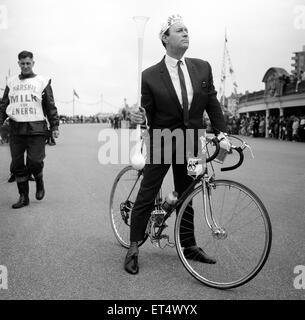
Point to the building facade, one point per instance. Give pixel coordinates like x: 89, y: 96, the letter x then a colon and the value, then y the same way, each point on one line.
x: 284, y: 94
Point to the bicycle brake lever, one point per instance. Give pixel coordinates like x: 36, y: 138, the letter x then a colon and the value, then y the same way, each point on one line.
x: 248, y: 146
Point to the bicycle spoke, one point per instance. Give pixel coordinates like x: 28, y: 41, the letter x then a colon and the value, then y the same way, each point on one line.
x: 245, y: 224
x: 249, y: 252
x: 235, y: 206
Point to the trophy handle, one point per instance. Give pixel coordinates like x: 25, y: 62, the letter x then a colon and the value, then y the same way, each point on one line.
x: 140, y: 25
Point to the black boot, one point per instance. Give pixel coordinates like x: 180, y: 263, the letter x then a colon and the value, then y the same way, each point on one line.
x: 40, y: 192
x: 23, y: 188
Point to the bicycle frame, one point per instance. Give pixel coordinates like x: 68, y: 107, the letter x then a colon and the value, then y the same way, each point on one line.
x: 205, y: 180
x: 206, y: 183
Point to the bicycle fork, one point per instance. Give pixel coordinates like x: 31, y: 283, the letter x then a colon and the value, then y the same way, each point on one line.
x: 218, y: 232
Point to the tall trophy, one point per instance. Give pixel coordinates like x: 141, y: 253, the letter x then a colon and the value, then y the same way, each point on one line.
x: 137, y: 159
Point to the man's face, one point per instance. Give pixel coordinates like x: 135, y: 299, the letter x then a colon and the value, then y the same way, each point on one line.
x: 178, y: 37
x: 26, y: 65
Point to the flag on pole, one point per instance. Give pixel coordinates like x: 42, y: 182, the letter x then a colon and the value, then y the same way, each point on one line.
x: 75, y: 94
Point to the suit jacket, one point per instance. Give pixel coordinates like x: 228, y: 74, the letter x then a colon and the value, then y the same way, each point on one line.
x: 161, y: 103
x: 164, y: 110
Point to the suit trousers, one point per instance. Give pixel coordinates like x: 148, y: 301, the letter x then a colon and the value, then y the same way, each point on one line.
x: 150, y: 185
x: 34, y: 146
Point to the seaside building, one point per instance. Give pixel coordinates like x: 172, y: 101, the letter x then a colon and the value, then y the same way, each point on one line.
x: 284, y: 94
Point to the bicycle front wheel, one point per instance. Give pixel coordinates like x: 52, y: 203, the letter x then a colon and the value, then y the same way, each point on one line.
x: 241, y: 241
x: 122, y: 198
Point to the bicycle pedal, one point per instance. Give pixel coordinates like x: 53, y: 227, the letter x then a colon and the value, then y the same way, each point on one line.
x: 155, y: 243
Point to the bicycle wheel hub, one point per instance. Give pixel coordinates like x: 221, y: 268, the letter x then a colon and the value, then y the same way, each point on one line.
x: 219, y: 233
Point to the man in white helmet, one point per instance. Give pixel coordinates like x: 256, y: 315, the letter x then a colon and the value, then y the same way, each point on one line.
x: 175, y: 94
x: 28, y: 101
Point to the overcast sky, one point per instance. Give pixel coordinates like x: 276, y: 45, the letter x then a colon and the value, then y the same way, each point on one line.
x: 91, y: 45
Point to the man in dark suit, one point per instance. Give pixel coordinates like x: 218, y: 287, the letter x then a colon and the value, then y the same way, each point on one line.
x: 175, y: 94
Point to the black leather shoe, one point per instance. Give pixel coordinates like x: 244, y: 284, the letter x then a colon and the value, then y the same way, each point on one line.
x: 131, y: 260
x: 40, y: 192
x: 22, y: 202
x: 11, y: 178
x: 197, y: 254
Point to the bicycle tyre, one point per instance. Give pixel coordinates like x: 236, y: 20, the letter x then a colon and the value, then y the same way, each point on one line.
x: 213, y: 275
x: 121, y: 194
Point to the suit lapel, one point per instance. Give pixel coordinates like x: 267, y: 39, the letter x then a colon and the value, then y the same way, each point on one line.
x: 169, y: 84
x: 194, y: 80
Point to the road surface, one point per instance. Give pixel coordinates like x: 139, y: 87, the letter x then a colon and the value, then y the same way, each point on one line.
x: 63, y: 247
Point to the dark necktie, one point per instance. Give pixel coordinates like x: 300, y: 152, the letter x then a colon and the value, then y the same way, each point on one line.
x: 185, y: 103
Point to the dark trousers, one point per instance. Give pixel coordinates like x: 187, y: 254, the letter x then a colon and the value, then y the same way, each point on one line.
x: 34, y: 146
x: 150, y: 185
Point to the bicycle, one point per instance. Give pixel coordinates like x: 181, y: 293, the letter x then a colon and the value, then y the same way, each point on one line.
x: 230, y: 220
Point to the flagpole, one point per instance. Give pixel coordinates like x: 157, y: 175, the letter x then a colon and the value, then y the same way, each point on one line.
x: 225, y: 71
x: 101, y: 103
x: 73, y: 105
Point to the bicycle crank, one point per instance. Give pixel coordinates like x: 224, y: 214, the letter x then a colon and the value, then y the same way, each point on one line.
x: 162, y: 242
x: 125, y: 209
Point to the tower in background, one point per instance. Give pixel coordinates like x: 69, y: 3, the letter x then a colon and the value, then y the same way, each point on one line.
x: 299, y: 62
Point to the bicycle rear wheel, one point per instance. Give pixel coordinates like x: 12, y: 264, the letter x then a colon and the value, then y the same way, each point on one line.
x: 122, y: 197
x: 242, y: 243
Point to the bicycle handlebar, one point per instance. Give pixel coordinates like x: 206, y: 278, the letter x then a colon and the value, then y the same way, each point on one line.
x: 240, y: 161
x: 217, y: 146
x: 240, y: 152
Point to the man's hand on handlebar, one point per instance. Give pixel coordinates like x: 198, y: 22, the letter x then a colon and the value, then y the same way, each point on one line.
x: 224, y: 141
x: 139, y: 116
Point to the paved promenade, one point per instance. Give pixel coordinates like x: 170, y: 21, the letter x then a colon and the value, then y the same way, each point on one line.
x: 63, y: 247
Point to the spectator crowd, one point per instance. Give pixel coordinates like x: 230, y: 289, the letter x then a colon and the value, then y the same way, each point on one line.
x: 290, y: 128
x: 80, y: 119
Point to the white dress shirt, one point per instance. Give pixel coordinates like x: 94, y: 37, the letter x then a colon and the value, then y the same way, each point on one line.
x: 172, y: 67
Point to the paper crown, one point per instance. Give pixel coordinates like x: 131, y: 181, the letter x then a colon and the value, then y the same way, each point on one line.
x: 170, y: 21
